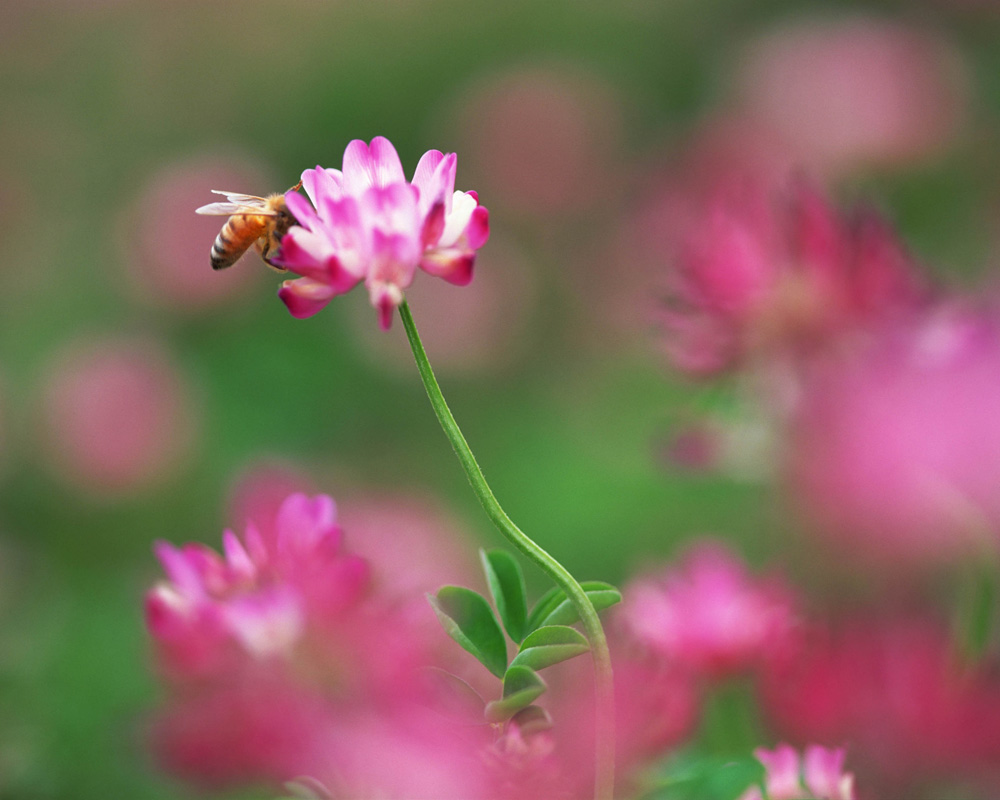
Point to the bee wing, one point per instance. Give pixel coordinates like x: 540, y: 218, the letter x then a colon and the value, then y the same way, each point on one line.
x: 242, y: 199
x: 220, y: 209
x: 237, y: 204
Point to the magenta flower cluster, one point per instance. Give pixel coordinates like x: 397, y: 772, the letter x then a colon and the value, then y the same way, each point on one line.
x: 282, y: 661
x: 872, y: 388
x: 368, y: 223
x: 260, y: 597
x: 287, y: 655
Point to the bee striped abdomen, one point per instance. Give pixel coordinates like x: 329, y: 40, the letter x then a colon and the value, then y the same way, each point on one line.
x: 236, y: 237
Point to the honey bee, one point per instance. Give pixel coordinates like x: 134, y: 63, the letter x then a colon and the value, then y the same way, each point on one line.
x: 257, y: 221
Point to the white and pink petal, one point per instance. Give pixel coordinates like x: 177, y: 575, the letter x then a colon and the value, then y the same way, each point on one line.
x: 391, y: 210
x: 467, y: 222
x: 477, y: 232
x: 266, y: 623
x: 454, y: 265
x: 306, y: 252
x: 367, y: 166
x: 385, y: 298
x: 434, y: 178
x: 301, y: 209
x: 322, y: 182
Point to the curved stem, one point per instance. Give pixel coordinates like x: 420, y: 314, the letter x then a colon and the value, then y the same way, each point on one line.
x: 605, y: 716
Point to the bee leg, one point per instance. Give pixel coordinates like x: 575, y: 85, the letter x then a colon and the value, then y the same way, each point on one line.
x: 275, y: 267
x: 265, y: 247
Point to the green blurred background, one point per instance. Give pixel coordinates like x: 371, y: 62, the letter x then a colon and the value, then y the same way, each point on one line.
x: 566, y: 404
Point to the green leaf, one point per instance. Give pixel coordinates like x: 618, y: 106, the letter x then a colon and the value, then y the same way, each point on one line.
x: 532, y: 719
x: 546, y: 604
x: 602, y: 595
x: 556, y: 609
x: 550, y: 645
x: 506, y: 582
x: 521, y: 687
x: 469, y: 620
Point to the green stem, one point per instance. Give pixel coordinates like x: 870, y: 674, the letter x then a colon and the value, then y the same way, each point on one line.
x: 605, y: 716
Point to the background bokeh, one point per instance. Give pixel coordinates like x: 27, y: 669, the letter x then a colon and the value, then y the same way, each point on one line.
x: 137, y: 387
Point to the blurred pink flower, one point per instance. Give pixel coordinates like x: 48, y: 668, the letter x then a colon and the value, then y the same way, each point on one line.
x: 246, y: 729
x: 117, y: 415
x: 369, y: 223
x: 709, y: 614
x: 417, y: 545
x: 273, y: 728
x: 284, y: 658
x: 260, y: 488
x: 656, y: 709
x: 165, y: 248
x: 671, y: 192
x: 544, y: 139
x: 892, y: 688
x: 522, y: 765
x: 412, y: 753
x: 853, y: 92
x: 261, y: 596
x: 758, y: 273
x: 656, y: 706
x: 819, y: 774
x: 895, y: 451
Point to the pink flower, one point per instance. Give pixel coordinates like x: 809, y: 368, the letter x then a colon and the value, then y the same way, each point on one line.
x: 418, y: 546
x: 757, y: 277
x: 818, y: 776
x: 656, y: 709
x: 368, y: 223
x: 625, y: 267
x: 258, y: 599
x: 260, y: 488
x: 892, y: 688
x: 522, y: 765
x: 414, y: 752
x: 283, y: 658
x: 709, y: 614
x: 823, y: 773
x: 117, y: 415
x: 895, y: 451
x: 248, y: 728
x: 415, y: 544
